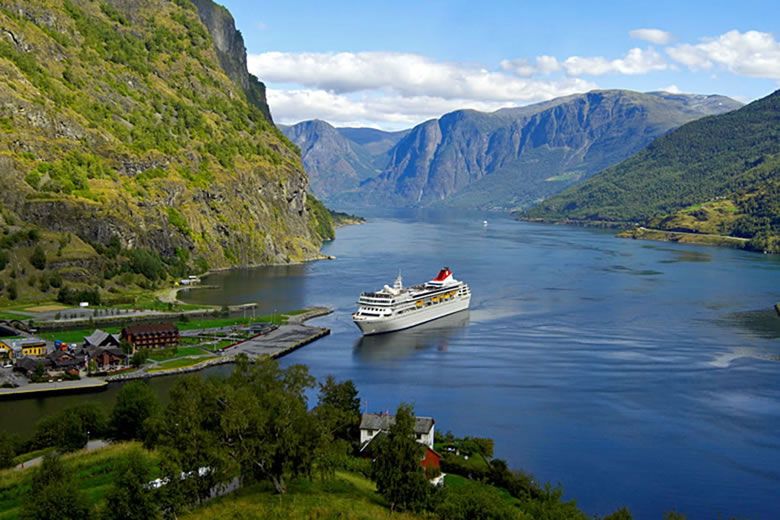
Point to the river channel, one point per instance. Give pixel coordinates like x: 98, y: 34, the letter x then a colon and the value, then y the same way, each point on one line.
x: 638, y: 374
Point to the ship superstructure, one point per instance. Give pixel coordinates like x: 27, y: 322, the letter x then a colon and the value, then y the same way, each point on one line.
x: 398, y: 307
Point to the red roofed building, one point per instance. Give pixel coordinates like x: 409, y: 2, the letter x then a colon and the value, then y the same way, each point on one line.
x: 152, y: 335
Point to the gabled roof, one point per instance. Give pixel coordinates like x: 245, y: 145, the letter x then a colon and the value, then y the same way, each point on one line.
x: 372, y: 421
x: 148, y: 328
x: 27, y: 364
x: 100, y: 338
x: 61, y: 358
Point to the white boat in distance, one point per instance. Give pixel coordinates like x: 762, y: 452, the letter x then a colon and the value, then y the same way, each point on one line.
x: 396, y: 308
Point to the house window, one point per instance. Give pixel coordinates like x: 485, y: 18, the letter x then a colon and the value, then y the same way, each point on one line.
x: 419, y: 436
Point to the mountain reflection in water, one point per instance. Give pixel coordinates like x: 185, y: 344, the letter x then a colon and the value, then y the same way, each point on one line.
x: 399, y: 344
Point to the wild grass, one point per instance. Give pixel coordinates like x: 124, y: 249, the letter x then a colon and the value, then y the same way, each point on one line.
x: 92, y: 469
x: 347, y: 496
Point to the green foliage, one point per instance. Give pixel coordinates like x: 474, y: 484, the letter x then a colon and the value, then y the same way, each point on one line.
x: 69, y: 430
x: 7, y: 450
x: 338, y: 409
x: 129, y: 498
x: 4, y: 257
x: 55, y: 494
x: 735, y: 155
x: 397, y: 471
x: 177, y: 220
x: 38, y: 258
x: 621, y: 514
x: 139, y: 358
x: 322, y: 219
x: 71, y: 174
x: 146, y: 262
x: 135, y: 403
x: 475, y: 501
x: 70, y: 296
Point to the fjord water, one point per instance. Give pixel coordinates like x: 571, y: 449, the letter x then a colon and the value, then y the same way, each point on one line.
x: 638, y: 374
x: 634, y: 373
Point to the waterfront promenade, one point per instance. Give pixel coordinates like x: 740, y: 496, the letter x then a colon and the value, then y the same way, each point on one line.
x: 275, y: 344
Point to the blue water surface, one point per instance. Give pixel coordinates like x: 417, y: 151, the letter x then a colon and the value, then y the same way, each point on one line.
x: 633, y: 373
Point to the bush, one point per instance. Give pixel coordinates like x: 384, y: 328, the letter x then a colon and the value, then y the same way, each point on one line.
x: 38, y: 258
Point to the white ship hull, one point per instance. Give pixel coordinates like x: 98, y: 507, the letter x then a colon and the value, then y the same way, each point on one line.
x: 380, y: 325
x: 397, y: 308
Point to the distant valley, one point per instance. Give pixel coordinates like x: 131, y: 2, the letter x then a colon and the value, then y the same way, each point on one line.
x: 509, y: 159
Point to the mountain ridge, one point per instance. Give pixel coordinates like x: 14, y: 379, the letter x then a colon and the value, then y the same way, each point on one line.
x: 733, y: 156
x: 514, y: 157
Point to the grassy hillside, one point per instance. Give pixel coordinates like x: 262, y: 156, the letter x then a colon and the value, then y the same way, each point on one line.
x: 117, y: 120
x: 734, y: 157
x: 120, y: 129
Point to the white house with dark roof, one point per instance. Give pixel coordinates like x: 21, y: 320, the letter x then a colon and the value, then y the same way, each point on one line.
x: 371, y: 424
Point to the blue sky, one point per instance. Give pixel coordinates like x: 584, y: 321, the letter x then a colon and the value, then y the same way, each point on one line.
x: 393, y: 65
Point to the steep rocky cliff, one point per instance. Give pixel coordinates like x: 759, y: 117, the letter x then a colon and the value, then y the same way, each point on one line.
x: 231, y: 52
x: 338, y: 159
x: 513, y: 157
x: 133, y: 119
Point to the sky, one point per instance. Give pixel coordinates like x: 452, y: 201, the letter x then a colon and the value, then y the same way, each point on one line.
x: 392, y: 65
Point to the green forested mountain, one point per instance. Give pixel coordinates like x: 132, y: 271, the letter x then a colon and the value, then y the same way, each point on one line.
x: 734, y: 156
x: 134, y: 122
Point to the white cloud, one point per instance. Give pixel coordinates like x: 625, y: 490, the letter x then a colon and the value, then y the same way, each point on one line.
x: 689, y: 55
x: 547, y: 64
x: 656, y: 36
x: 636, y: 61
x: 672, y: 89
x: 752, y: 53
x: 518, y: 66
x: 406, y: 75
x: 385, y: 110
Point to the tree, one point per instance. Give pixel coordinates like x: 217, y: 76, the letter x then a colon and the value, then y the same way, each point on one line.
x: 621, y: 514
x: 265, y: 422
x: 73, y: 435
x: 126, y: 346
x: 7, y: 450
x: 397, y: 471
x: 129, y: 498
x: 338, y: 410
x: 475, y: 501
x: 135, y: 403
x: 139, y: 358
x: 38, y: 258
x: 186, y: 435
x: 56, y: 494
x: 69, y: 430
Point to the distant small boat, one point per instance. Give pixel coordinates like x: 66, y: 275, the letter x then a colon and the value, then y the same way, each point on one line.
x: 484, y: 222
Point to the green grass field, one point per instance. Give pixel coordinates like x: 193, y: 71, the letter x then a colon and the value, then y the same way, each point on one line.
x: 347, y: 496
x: 180, y: 363
x: 93, y: 470
x: 163, y: 355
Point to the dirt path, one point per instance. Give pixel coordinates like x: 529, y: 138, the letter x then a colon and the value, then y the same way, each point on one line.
x: 91, y: 445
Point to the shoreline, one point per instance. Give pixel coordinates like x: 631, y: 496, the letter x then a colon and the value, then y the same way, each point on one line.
x: 682, y: 237
x: 277, y: 344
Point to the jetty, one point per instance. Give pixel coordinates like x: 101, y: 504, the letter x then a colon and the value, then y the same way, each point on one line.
x: 90, y: 384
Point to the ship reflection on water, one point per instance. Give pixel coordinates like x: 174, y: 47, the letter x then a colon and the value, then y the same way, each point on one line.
x: 402, y: 343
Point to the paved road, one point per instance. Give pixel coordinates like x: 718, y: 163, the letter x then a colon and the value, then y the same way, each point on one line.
x: 91, y: 445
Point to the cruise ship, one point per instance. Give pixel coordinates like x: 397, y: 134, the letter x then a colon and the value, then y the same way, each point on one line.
x: 398, y: 307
